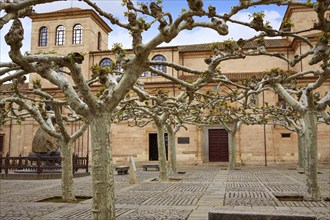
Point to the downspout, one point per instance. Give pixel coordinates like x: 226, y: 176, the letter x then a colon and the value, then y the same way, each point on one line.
x: 71, y: 134
x: 10, y: 128
x: 76, y: 143
x: 78, y: 139
x: 301, y: 64
x: 263, y: 115
x: 173, y: 74
x: 82, y: 144
x: 88, y: 140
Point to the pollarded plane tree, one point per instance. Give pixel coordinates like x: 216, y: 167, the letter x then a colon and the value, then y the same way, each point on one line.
x: 189, y: 112
x: 142, y: 112
x: 78, y: 93
x: 307, y: 105
x: 158, y: 108
x: 291, y: 119
x: 47, y: 112
x: 304, y: 100
x: 173, y: 125
x: 168, y: 113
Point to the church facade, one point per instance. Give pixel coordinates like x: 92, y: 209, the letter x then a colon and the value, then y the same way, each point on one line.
x: 78, y: 30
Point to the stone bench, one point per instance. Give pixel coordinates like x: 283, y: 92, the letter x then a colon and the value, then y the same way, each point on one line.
x: 146, y: 166
x: 122, y: 170
x: 254, y: 215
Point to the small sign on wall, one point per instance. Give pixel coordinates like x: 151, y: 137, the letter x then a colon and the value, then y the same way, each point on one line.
x: 183, y: 140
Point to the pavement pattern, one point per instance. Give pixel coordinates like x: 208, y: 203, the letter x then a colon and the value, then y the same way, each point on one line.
x: 188, y: 195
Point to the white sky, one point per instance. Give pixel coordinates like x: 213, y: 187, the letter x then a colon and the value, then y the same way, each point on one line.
x: 274, y: 15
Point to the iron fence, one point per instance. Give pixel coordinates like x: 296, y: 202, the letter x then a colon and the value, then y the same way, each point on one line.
x: 40, y: 164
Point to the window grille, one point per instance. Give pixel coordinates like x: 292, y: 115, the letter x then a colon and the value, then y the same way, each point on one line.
x: 60, y: 35
x: 43, y: 36
x: 161, y: 68
x: 77, y: 34
x: 106, y: 62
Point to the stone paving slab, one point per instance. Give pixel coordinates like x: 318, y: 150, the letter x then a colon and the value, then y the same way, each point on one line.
x: 190, y: 195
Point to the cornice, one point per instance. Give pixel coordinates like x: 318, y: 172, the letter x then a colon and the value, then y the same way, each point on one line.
x: 79, y: 13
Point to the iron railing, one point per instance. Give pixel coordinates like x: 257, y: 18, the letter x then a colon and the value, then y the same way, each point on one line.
x: 40, y: 164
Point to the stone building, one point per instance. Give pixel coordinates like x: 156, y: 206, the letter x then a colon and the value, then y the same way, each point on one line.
x: 77, y: 30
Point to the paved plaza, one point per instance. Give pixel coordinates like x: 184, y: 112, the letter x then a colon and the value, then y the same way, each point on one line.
x: 188, y: 195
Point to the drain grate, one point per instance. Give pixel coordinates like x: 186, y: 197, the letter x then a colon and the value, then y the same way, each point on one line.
x: 173, y: 199
x: 289, y: 198
x: 193, y: 187
x: 157, y: 214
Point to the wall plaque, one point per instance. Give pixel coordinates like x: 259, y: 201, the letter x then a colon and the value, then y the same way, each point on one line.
x: 183, y: 140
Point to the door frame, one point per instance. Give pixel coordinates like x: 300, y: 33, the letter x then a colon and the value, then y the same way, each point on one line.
x: 149, y: 144
x: 205, y: 141
x: 220, y: 150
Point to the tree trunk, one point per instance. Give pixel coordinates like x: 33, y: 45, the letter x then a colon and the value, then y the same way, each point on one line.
x: 161, y: 153
x: 67, y: 171
x: 171, y: 143
x: 301, y: 149
x: 102, y: 172
x: 313, y: 190
x: 232, y: 152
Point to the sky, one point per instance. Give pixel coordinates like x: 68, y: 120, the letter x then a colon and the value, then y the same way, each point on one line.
x: 274, y: 15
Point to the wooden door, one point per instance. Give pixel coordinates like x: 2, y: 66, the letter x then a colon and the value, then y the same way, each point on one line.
x: 218, y: 145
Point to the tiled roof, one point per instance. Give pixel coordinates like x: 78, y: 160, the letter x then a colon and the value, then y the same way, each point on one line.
x: 8, y: 86
x: 269, y: 43
x: 68, y: 10
x: 231, y: 76
x: 72, y: 13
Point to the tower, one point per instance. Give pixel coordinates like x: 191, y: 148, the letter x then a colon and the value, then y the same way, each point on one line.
x: 68, y: 30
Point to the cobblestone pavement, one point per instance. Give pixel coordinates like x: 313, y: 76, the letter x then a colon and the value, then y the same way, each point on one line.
x: 188, y: 195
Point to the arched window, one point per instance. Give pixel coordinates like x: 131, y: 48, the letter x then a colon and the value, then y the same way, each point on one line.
x: 43, y: 36
x: 99, y: 40
x: 161, y: 68
x: 106, y: 62
x: 60, y: 35
x: 77, y: 34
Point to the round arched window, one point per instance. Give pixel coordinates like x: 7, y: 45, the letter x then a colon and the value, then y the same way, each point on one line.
x: 106, y: 62
x: 161, y: 68
x: 77, y: 34
x: 60, y: 35
x: 43, y: 36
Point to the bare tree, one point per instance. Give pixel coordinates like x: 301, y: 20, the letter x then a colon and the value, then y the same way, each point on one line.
x: 46, y: 111
x: 98, y: 110
x: 141, y: 112
x: 309, y: 102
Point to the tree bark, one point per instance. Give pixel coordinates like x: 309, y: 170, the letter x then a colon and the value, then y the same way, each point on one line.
x: 232, y: 151
x: 67, y: 171
x: 301, y: 149
x: 313, y: 190
x: 102, y: 172
x: 163, y: 175
x: 171, y: 143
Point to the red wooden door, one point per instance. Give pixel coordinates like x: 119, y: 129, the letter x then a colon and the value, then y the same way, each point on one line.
x: 218, y: 145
